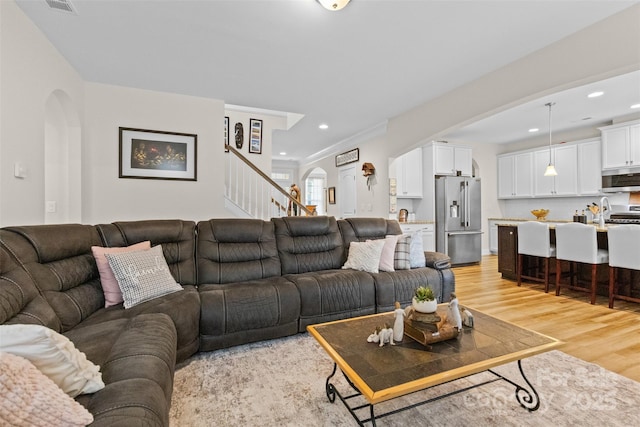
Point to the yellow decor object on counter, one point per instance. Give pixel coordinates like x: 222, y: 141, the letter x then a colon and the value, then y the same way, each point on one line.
x: 540, y: 214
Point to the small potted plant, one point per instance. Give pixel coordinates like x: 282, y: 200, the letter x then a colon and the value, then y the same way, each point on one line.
x: 424, y: 301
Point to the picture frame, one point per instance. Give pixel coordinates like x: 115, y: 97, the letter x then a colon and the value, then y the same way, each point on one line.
x: 348, y: 157
x: 255, y: 136
x: 332, y: 195
x: 154, y: 154
x: 226, y: 133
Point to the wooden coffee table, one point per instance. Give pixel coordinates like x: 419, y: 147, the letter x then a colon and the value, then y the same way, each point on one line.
x: 379, y: 374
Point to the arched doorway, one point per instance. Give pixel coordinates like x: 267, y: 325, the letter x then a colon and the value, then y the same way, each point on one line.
x: 315, y: 188
x: 62, y: 160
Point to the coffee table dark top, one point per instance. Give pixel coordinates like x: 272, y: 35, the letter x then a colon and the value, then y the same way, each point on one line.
x: 382, y: 373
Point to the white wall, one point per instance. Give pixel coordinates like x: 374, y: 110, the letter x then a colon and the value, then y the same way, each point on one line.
x: 31, y: 69
x: 107, y: 198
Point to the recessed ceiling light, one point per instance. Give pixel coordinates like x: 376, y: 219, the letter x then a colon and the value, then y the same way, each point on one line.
x: 635, y: 106
x: 324, y: 126
x: 282, y: 153
x: 595, y: 94
x: 534, y: 130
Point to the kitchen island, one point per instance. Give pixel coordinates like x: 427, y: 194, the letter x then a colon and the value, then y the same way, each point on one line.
x: 508, y: 261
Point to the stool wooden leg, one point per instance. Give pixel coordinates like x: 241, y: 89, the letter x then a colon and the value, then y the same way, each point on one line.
x: 612, y: 281
x: 520, y: 257
x: 594, y: 282
x: 558, y: 266
x: 546, y: 275
x: 572, y: 273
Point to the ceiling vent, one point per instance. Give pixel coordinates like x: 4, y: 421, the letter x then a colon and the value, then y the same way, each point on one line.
x: 62, y: 6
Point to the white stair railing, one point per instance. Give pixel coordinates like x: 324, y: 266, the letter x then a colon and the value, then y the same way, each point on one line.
x: 254, y: 194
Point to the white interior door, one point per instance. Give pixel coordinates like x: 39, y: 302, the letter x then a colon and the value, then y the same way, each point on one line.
x: 347, y: 192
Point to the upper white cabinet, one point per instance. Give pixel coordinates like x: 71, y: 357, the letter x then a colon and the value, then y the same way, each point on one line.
x: 408, y: 169
x: 514, y: 175
x: 589, y: 167
x: 565, y: 159
x: 621, y: 145
x: 451, y: 159
x: 578, y: 165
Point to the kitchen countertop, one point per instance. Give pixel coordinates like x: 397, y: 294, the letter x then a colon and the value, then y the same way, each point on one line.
x: 598, y: 228
x: 416, y: 222
x: 529, y: 219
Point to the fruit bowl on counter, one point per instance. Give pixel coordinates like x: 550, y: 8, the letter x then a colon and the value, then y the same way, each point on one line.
x: 540, y: 214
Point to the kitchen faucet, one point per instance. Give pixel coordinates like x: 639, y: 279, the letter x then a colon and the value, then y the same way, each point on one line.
x: 603, y: 200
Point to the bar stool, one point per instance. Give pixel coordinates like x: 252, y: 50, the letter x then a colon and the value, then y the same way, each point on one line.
x: 624, y: 252
x: 534, y: 239
x: 577, y: 242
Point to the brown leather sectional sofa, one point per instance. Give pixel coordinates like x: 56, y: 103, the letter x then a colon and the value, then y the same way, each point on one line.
x: 243, y: 280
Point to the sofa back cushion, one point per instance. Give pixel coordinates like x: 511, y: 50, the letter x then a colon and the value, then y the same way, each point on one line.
x: 362, y: 229
x: 59, y: 259
x: 177, y: 238
x: 20, y: 299
x: 236, y: 250
x: 309, y: 243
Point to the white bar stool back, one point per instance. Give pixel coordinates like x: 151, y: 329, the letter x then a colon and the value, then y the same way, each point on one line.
x: 534, y: 240
x: 624, y: 252
x: 577, y: 242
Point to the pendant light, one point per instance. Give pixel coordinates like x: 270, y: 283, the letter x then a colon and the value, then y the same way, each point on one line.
x: 551, y: 169
x: 333, y: 5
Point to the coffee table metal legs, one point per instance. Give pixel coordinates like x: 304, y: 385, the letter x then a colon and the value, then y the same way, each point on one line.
x: 527, y: 398
x: 332, y: 392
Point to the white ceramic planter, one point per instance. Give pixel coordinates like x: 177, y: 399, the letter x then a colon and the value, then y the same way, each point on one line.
x: 425, y: 306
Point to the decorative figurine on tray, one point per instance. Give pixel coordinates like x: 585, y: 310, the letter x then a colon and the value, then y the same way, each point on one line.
x: 398, y: 324
x: 467, y: 318
x: 382, y: 335
x: 454, y: 311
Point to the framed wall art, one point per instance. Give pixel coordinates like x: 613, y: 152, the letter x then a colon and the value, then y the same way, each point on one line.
x: 226, y: 133
x: 348, y: 157
x: 332, y: 195
x: 152, y: 154
x: 255, y: 136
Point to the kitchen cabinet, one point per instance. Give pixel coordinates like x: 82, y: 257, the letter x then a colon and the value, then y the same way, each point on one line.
x: 452, y: 159
x: 515, y: 175
x: 408, y: 170
x: 621, y: 145
x: 589, y: 167
x: 428, y: 234
x: 564, y: 158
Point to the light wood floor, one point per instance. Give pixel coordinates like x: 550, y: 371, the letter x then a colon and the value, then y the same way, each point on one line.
x: 598, y: 334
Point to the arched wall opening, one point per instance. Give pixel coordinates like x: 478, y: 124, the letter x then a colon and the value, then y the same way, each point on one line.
x: 315, y: 190
x: 62, y: 160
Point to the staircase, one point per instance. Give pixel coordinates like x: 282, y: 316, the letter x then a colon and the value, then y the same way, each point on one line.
x: 250, y: 193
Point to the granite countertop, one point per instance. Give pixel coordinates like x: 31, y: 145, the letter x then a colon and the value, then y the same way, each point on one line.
x: 416, y: 222
x: 529, y: 219
x: 516, y: 220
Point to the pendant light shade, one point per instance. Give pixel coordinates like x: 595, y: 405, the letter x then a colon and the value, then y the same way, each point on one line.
x: 333, y: 5
x: 551, y: 169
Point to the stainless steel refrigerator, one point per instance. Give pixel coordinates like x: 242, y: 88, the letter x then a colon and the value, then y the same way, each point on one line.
x: 458, y: 218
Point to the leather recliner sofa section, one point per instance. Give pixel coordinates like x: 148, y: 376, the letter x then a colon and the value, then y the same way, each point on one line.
x: 243, y: 280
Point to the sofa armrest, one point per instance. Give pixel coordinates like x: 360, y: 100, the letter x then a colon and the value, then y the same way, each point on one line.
x: 437, y: 260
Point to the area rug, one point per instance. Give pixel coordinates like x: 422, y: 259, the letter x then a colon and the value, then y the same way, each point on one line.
x: 282, y: 383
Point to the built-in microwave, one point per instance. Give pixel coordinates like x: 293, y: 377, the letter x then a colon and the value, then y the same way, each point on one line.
x: 617, y: 180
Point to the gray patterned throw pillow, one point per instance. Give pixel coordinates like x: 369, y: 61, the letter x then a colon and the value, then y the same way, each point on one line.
x: 402, y: 260
x: 142, y: 275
